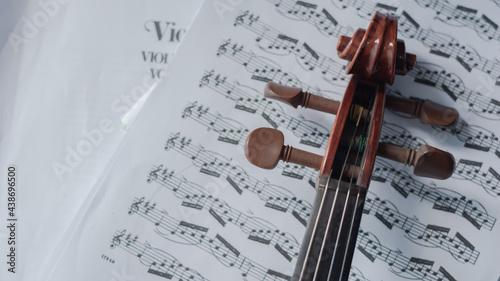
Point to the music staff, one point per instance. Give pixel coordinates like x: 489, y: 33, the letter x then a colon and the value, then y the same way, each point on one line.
x: 309, y: 132
x: 195, y: 197
x: 460, y: 15
x: 160, y: 263
x: 391, y: 133
x: 262, y: 69
x: 400, y: 136
x: 319, y: 17
x: 273, y: 41
x: 441, y: 198
x: 438, y: 78
x: 474, y: 137
x: 426, y: 235
x: 230, y: 131
x: 216, y: 165
x: 471, y: 171
x: 356, y: 275
x: 397, y: 135
x: 402, y: 266
x: 426, y: 74
x: 440, y: 44
x: 435, y: 76
x: 218, y: 246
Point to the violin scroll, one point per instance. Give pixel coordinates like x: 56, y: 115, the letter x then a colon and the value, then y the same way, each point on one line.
x: 376, y: 53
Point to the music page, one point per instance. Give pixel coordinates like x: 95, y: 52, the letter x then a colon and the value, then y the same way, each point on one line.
x: 69, y: 72
x: 181, y: 202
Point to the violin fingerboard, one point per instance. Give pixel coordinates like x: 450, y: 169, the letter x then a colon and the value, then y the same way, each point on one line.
x: 330, y: 237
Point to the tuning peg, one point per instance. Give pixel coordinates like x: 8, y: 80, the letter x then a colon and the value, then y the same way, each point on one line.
x: 428, y: 111
x: 428, y: 161
x: 265, y: 147
x: 295, y: 97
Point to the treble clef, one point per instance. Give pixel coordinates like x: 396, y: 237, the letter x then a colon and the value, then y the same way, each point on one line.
x: 205, y: 79
x: 222, y: 48
x: 187, y: 111
x: 240, y: 19
x: 134, y: 208
x: 116, y: 239
x: 153, y: 175
x: 171, y: 141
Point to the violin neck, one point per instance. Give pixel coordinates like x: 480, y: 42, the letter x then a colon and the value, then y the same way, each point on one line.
x: 330, y: 238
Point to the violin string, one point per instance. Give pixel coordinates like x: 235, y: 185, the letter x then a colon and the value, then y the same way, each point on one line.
x: 356, y: 209
x: 316, y: 224
x: 332, y: 209
x: 334, y: 204
x: 351, y: 179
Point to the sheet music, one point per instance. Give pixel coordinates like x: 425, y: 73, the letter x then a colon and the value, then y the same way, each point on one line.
x: 69, y: 71
x: 182, y: 202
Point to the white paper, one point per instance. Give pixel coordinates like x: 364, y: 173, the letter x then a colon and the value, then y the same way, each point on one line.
x: 69, y: 71
x: 182, y: 202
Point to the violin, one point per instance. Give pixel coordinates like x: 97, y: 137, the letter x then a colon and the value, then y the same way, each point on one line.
x: 374, y: 56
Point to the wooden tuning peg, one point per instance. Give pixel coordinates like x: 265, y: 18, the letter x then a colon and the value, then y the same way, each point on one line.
x: 427, y: 111
x: 428, y: 161
x: 295, y: 97
x: 265, y: 147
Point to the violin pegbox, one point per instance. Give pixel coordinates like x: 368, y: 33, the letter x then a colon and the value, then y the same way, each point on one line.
x: 374, y: 56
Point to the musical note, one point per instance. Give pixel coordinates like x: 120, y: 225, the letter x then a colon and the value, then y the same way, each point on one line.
x: 442, y: 199
x: 214, y: 164
x: 473, y: 136
x: 160, y: 263
x: 192, y: 234
x: 471, y: 171
x: 230, y: 131
x: 435, y: 76
x: 259, y: 230
x: 440, y: 79
x: 397, y: 135
x: 309, y: 59
x: 356, y: 275
x: 310, y: 133
x: 410, y: 268
x: 312, y: 13
x: 459, y: 15
x: 440, y: 44
x: 417, y: 232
